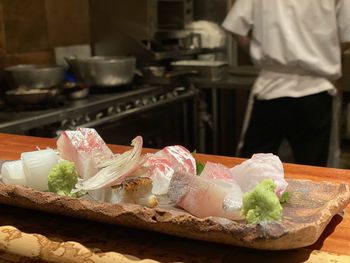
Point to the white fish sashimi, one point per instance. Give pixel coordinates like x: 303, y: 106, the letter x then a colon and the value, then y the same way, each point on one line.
x: 85, y: 148
x: 221, y: 175
x: 160, y: 171
x: 203, y: 198
x: 123, y: 166
x: 261, y: 166
x: 180, y: 158
x: 162, y: 165
x: 216, y: 171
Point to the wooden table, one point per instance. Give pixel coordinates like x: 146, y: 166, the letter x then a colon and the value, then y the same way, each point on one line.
x: 148, y: 245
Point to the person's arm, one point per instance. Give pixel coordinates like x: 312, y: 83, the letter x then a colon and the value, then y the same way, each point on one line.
x: 343, y: 19
x: 345, y: 46
x: 239, y: 22
x: 243, y: 41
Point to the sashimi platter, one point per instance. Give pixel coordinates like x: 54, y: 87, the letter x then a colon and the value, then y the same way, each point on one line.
x: 249, y: 205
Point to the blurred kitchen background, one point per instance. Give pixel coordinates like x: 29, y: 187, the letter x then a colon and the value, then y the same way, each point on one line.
x: 163, y: 69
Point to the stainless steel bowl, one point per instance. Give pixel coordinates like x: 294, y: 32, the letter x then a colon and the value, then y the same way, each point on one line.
x: 34, y: 76
x: 104, y: 71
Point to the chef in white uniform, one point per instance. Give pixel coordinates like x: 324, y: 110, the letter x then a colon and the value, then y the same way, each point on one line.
x: 297, y: 44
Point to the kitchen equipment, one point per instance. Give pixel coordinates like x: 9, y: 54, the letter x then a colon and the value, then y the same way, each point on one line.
x: 213, y: 70
x: 117, y: 114
x: 103, y: 71
x: 150, y: 29
x: 30, y: 96
x: 62, y: 52
x: 80, y: 93
x: 76, y: 66
x: 34, y: 76
x: 154, y: 71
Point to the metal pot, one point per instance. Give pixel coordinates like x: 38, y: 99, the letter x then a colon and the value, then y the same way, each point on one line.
x: 34, y: 76
x: 103, y: 71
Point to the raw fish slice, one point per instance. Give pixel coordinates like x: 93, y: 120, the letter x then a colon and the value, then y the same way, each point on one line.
x: 162, y: 165
x: 216, y: 171
x: 94, y: 145
x: 180, y: 158
x: 261, y: 166
x: 160, y: 171
x: 221, y: 175
x: 123, y: 166
x: 85, y: 148
x: 202, y: 197
x: 84, y: 163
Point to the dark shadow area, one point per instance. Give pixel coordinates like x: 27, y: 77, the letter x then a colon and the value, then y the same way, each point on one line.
x: 336, y: 220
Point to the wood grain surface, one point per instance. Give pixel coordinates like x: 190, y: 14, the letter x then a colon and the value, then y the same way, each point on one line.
x: 148, y: 245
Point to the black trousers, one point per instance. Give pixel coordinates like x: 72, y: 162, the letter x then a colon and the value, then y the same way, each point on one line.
x: 305, y: 122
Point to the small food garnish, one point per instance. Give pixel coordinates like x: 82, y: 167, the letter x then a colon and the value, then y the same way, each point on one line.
x: 135, y: 190
x: 199, y: 167
x: 62, y: 178
x: 285, y: 197
x: 262, y: 203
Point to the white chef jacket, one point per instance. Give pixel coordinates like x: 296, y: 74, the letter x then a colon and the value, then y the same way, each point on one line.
x: 296, y: 43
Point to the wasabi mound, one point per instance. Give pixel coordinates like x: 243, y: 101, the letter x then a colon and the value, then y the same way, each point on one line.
x: 62, y: 178
x: 262, y: 203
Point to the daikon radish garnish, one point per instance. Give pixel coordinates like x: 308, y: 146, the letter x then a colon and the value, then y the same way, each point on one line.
x: 120, y: 168
x: 12, y: 173
x: 37, y: 165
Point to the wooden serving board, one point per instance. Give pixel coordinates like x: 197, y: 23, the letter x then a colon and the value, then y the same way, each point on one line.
x: 305, y: 216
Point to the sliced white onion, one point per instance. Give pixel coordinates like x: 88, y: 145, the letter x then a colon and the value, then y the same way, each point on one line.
x: 12, y: 173
x: 37, y: 165
x: 120, y: 168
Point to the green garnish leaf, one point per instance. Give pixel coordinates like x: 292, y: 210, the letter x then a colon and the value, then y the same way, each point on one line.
x: 285, y: 197
x: 200, y: 168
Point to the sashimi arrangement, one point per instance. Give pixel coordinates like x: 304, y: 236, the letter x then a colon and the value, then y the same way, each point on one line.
x: 83, y: 166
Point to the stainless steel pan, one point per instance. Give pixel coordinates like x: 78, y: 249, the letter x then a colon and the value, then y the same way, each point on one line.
x: 33, y: 96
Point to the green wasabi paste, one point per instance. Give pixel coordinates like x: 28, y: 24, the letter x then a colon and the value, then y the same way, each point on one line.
x: 262, y: 203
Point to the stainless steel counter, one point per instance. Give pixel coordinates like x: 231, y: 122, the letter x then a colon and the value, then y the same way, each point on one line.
x: 231, y: 82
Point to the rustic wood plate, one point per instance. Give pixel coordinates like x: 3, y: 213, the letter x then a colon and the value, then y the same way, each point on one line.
x: 305, y: 216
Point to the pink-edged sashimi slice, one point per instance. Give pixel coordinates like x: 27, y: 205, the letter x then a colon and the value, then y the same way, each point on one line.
x: 204, y: 198
x: 85, y: 148
x: 261, y: 166
x: 180, y: 158
x: 160, y: 170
